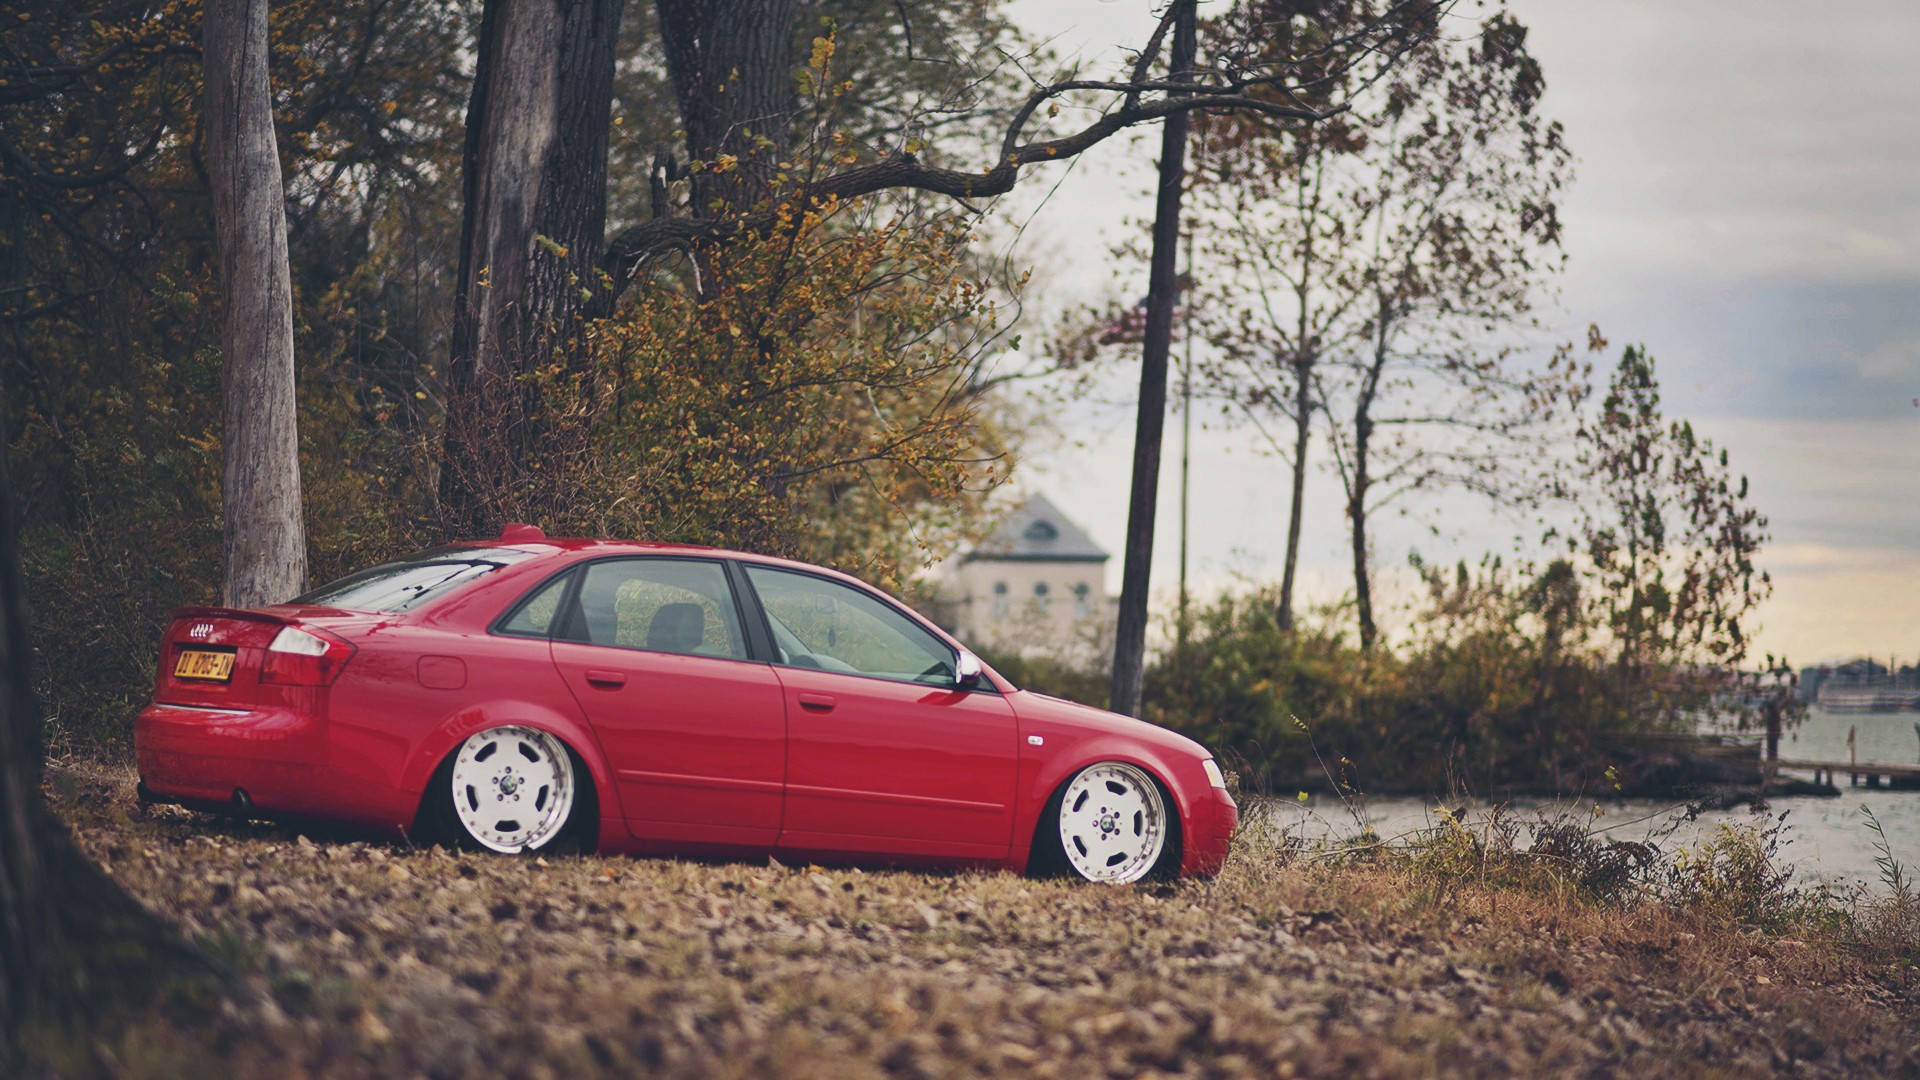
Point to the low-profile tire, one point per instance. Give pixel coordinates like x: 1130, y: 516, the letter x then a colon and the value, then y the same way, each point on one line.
x: 1110, y: 823
x: 512, y: 789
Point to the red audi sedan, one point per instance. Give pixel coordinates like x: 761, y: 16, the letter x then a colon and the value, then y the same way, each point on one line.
x: 531, y: 693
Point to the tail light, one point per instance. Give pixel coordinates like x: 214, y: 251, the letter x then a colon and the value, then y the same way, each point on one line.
x: 305, y: 656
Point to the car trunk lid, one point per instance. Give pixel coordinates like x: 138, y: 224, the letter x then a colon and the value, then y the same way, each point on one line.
x: 213, y: 657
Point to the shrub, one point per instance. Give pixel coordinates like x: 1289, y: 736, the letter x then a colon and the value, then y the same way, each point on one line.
x: 1732, y: 879
x: 1498, y: 688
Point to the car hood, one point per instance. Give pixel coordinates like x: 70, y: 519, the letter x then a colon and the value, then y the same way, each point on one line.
x: 1032, y: 707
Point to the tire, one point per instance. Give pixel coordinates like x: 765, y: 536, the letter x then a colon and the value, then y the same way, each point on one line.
x: 510, y: 790
x: 1110, y: 824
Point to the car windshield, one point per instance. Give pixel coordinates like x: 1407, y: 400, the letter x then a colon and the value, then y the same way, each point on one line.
x: 407, y: 583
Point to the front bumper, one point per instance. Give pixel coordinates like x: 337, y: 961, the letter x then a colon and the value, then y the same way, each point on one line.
x: 1206, y: 851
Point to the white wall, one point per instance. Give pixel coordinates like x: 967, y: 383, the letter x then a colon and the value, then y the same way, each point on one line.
x: 1020, y: 619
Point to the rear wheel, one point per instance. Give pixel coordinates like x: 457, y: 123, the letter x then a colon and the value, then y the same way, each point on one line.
x: 1111, y: 823
x: 510, y: 789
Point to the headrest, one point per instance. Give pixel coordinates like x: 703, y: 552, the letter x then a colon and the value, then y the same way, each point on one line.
x: 677, y: 628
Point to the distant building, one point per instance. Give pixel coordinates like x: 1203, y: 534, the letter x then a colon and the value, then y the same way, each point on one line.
x: 1860, y: 685
x: 1038, y: 584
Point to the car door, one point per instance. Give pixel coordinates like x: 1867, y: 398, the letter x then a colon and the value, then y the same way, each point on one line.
x: 884, y: 753
x: 655, y: 650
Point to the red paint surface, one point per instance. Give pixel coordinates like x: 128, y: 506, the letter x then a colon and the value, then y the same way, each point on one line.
x: 897, y: 768
x: 696, y: 744
x: 685, y: 754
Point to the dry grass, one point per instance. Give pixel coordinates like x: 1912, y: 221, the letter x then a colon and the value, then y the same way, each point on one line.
x: 369, y: 959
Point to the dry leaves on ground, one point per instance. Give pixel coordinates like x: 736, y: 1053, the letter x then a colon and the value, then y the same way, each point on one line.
x: 368, y: 958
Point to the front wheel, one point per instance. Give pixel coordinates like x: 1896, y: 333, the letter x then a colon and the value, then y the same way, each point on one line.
x: 1112, y: 823
x: 510, y: 789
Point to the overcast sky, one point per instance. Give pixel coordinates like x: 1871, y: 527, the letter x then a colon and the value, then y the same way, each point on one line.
x: 1745, y: 205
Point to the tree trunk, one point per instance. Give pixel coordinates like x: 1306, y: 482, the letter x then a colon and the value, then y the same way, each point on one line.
x: 732, y: 71
x: 1361, y: 483
x: 1302, y: 441
x: 1130, y: 637
x: 68, y: 933
x: 265, y: 534
x: 1305, y: 349
x: 30, y: 939
x: 1357, y: 514
x: 534, y: 224
x: 1546, y: 733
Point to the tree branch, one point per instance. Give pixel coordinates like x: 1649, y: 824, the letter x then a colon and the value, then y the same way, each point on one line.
x: 633, y: 246
x: 27, y: 83
x: 1384, y: 39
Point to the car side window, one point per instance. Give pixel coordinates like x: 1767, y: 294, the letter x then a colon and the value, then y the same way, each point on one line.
x: 823, y: 624
x: 661, y: 605
x: 534, y: 616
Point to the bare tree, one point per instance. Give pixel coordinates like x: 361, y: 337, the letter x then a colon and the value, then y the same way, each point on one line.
x: 1465, y: 226
x: 1270, y: 305
x: 265, y: 533
x: 1371, y: 265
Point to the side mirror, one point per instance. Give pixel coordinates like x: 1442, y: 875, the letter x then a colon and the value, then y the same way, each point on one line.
x: 966, y: 670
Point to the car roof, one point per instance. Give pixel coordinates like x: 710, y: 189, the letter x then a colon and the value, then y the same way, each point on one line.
x: 555, y: 545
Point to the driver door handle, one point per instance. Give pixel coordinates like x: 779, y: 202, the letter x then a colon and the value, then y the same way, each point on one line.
x: 610, y: 680
x: 817, y: 702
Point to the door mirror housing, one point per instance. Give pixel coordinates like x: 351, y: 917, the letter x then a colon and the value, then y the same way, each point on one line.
x: 966, y: 670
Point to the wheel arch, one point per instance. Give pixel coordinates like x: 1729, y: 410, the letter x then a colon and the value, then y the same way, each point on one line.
x: 1051, y: 785
x: 438, y: 747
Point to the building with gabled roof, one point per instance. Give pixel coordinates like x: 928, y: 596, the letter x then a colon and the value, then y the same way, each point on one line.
x: 1038, y: 584
x: 1037, y: 531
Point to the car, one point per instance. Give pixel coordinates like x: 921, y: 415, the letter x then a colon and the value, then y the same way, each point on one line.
x: 535, y: 694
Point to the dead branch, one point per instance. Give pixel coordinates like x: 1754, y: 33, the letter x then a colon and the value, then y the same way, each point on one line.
x: 1403, y: 27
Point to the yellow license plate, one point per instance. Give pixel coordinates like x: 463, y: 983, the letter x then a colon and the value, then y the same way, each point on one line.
x: 197, y: 664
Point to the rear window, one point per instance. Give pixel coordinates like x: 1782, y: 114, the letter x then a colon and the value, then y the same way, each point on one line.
x: 407, y: 583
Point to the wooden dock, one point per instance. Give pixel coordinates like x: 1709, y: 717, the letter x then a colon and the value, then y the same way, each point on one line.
x: 1871, y: 774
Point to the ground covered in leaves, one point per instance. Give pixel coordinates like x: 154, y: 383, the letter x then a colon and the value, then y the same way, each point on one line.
x: 366, y: 958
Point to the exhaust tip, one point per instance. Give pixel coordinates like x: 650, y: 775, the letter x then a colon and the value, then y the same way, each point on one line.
x: 242, y: 801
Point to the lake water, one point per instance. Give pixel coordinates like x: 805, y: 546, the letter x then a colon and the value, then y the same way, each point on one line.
x: 1825, y: 839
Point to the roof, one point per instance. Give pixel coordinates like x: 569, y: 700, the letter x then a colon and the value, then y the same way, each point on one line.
x: 1037, y: 531
x: 595, y: 548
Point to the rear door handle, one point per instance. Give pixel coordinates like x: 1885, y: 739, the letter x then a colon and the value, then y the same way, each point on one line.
x: 612, y: 680
x: 817, y: 702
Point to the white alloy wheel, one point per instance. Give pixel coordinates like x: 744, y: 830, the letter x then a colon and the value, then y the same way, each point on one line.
x: 512, y: 788
x: 1113, y: 823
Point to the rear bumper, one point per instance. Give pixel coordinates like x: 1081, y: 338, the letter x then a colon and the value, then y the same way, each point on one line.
x: 280, y: 760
